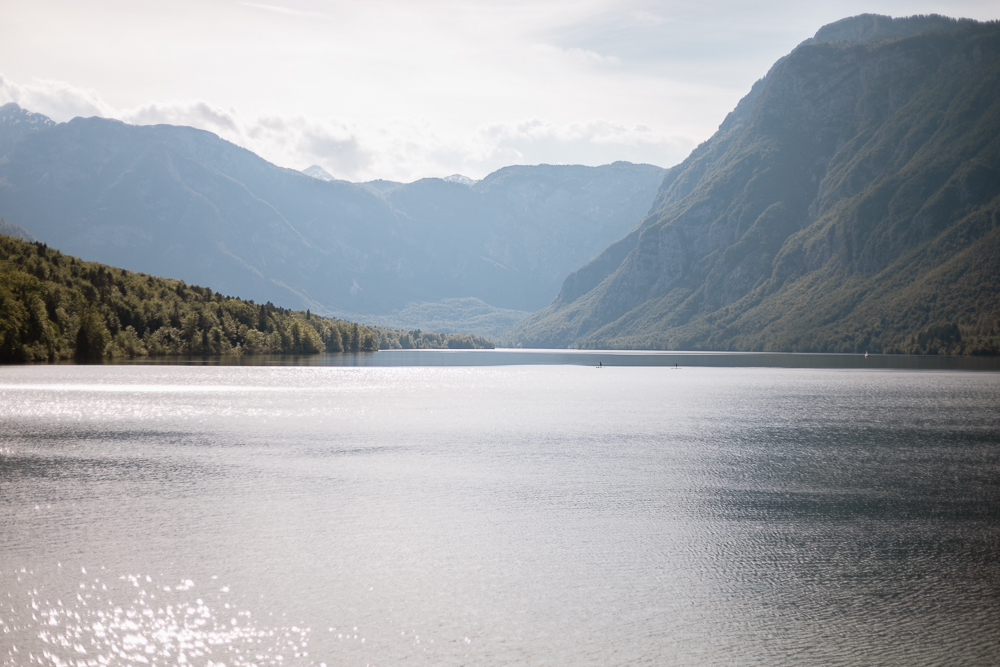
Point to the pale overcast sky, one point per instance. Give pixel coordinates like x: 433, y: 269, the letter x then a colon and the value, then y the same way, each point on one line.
x: 401, y: 89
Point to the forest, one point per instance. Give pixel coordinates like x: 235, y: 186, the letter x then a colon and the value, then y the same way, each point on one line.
x: 55, y: 306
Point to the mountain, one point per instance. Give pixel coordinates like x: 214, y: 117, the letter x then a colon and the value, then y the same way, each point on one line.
x: 15, y: 230
x: 17, y: 123
x: 184, y: 203
x: 850, y: 202
x: 319, y: 172
x: 453, y: 316
x: 874, y: 28
x: 458, y: 178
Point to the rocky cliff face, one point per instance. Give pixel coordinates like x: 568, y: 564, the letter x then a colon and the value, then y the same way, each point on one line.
x: 825, y: 211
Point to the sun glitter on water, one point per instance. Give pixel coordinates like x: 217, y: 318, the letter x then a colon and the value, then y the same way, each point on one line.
x: 137, y: 620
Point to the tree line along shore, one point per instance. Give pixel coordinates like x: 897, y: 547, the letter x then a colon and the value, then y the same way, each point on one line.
x: 55, y: 306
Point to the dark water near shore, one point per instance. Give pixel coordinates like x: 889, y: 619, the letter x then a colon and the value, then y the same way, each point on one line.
x: 475, y: 514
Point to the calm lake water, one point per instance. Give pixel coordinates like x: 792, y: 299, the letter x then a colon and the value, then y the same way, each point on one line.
x: 472, y: 514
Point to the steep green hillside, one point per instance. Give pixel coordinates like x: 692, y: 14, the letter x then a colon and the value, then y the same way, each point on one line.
x: 850, y: 202
x: 53, y: 306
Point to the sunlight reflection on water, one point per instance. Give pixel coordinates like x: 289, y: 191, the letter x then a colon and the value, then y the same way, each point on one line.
x: 498, y: 516
x: 135, y: 619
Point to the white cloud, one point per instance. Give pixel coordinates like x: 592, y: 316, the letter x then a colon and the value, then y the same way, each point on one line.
x: 58, y: 100
x: 590, y: 142
x: 402, y: 149
x: 400, y: 89
x: 198, y: 114
x: 288, y: 11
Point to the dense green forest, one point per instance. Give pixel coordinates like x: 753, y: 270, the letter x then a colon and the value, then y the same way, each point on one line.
x: 54, y: 306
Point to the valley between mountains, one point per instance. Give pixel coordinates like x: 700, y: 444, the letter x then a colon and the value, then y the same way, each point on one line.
x: 849, y: 203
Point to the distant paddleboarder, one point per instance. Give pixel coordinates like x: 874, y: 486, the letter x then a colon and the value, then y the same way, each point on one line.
x: 600, y: 364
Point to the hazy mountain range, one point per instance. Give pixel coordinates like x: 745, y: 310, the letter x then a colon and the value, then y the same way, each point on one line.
x: 850, y: 202
x: 183, y: 203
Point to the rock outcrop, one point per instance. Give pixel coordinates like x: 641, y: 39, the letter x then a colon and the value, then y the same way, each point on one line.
x: 851, y: 201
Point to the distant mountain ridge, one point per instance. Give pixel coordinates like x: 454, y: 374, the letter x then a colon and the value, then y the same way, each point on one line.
x: 319, y: 172
x: 874, y: 27
x: 850, y: 202
x: 182, y: 202
x: 458, y: 178
x: 15, y: 231
x: 17, y: 123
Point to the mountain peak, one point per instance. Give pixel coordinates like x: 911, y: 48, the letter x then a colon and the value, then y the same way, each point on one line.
x: 11, y: 229
x: 458, y: 178
x: 850, y: 202
x: 319, y: 172
x: 876, y: 27
x: 12, y: 114
x: 16, y: 122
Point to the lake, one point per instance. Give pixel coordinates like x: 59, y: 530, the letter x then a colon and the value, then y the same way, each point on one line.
x: 469, y: 508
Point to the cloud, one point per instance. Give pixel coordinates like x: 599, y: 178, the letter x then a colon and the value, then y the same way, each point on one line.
x: 299, y: 141
x: 288, y: 11
x: 401, y: 149
x: 56, y: 99
x: 197, y: 113
x: 591, y: 142
x: 401, y: 89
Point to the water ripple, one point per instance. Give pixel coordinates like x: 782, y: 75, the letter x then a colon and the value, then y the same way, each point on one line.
x: 136, y: 619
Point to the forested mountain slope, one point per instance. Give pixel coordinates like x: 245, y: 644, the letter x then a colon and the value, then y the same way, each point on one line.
x: 184, y: 203
x: 54, y: 306
x: 850, y: 202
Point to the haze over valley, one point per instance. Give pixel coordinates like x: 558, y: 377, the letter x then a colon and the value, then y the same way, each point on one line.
x: 181, y: 202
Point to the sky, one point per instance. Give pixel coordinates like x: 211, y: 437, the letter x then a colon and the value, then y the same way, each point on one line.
x: 406, y: 89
